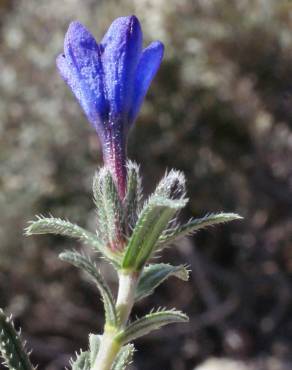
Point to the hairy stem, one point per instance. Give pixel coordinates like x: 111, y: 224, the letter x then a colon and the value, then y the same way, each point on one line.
x: 126, y: 296
x: 108, y: 351
x: 109, y: 347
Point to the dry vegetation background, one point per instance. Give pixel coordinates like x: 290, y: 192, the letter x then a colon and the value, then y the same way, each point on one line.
x: 220, y: 109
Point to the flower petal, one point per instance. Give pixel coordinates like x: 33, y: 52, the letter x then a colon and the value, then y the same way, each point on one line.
x: 122, y: 45
x: 82, y: 55
x: 67, y: 75
x: 148, y: 65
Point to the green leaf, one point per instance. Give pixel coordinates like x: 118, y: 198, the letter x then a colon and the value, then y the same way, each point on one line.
x: 124, y: 357
x: 153, y: 220
x: 86, y: 265
x: 57, y: 226
x: 82, y: 361
x: 109, y: 209
x: 172, y: 185
x: 133, y: 198
x: 94, y: 344
x: 156, y: 215
x: 196, y: 224
x: 155, y: 274
x: 148, y: 323
x: 99, y: 203
x: 11, y: 347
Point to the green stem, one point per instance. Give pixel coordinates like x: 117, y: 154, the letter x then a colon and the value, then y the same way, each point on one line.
x: 126, y: 296
x: 109, y: 347
x: 108, y: 350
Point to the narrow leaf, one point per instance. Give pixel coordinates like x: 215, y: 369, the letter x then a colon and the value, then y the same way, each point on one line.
x: 100, y: 210
x: 11, y: 347
x: 153, y: 220
x: 155, y: 274
x: 148, y: 323
x: 197, y: 224
x: 57, y: 226
x: 172, y: 185
x: 124, y: 357
x: 109, y: 209
x: 86, y: 265
x: 133, y: 198
x: 94, y: 344
x: 81, y: 362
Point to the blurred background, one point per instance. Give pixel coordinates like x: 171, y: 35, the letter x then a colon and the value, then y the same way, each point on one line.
x: 220, y: 109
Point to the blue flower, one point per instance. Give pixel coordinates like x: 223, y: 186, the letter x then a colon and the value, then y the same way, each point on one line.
x: 110, y: 81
